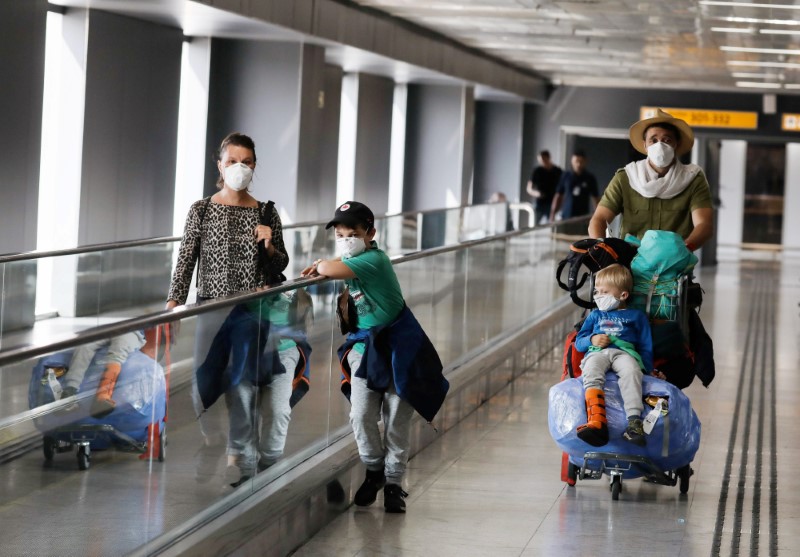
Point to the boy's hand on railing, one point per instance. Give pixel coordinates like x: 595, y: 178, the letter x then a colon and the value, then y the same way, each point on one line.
x: 311, y: 270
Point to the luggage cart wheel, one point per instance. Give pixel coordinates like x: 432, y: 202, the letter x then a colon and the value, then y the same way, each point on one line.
x: 684, y: 473
x: 572, y: 473
x: 49, y: 447
x: 162, y: 443
x: 83, y: 457
x: 616, y: 487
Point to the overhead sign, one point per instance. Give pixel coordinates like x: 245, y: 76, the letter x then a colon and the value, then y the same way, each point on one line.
x: 708, y: 118
x: 790, y: 122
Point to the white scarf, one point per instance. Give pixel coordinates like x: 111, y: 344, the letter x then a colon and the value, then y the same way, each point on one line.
x: 646, y: 182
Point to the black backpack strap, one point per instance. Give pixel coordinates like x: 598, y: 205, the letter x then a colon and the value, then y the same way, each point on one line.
x: 264, y: 219
x: 203, y: 209
x: 265, y: 214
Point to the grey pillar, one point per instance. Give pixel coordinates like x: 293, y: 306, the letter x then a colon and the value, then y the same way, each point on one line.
x: 320, y: 93
x: 439, y: 146
x: 22, y: 39
x: 373, y: 141
x: 133, y: 73
x: 498, y: 149
x: 282, y: 95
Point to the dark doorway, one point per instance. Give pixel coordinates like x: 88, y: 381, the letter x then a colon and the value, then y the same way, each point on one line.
x: 763, y: 194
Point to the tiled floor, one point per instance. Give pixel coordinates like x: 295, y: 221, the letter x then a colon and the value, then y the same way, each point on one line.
x: 491, y: 486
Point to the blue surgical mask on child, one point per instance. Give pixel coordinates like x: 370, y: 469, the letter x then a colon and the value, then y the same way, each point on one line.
x: 349, y: 247
x: 606, y: 302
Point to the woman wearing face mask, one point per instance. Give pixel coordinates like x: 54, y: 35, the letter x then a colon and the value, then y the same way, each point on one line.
x: 659, y: 192
x: 237, y: 244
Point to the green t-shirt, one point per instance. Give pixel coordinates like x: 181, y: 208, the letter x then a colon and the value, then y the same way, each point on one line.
x: 275, y: 308
x: 640, y: 214
x: 375, y: 289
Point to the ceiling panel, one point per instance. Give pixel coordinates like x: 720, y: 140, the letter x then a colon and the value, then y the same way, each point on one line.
x: 710, y: 45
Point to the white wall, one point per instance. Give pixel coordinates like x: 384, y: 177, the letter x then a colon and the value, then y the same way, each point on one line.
x: 791, y: 200
x: 733, y: 159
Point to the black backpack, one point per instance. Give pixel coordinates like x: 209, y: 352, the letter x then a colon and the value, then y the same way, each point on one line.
x: 593, y: 254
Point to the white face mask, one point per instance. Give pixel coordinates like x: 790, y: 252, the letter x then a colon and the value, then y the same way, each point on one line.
x: 238, y: 176
x: 349, y: 247
x: 660, y: 154
x: 606, y: 302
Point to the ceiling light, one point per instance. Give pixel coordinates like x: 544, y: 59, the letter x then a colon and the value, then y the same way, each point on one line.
x: 757, y: 85
x: 789, y: 65
x: 748, y: 75
x: 750, y: 5
x: 734, y: 30
x: 780, y: 31
x: 732, y: 19
x: 792, y: 86
x: 760, y: 50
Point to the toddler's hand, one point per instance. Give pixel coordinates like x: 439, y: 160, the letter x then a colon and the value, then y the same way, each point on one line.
x: 601, y: 340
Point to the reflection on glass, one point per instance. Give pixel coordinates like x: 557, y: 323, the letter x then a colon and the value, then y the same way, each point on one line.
x: 463, y: 299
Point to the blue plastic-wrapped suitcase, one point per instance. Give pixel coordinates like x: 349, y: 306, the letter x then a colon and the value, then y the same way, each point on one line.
x: 137, y: 423
x: 670, y: 448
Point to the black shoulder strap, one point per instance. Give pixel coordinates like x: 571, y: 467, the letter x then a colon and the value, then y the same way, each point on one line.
x: 266, y: 212
x: 203, y: 209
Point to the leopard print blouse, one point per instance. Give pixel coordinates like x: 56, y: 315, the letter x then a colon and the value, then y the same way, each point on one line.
x: 224, y: 243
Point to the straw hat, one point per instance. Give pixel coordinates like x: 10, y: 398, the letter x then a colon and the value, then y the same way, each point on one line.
x: 637, y: 132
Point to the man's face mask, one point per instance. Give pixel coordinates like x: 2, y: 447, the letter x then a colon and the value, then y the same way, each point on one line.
x: 350, y: 246
x: 238, y: 176
x: 660, y: 154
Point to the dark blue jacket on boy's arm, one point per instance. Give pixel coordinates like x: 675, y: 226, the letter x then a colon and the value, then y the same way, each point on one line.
x: 401, y: 351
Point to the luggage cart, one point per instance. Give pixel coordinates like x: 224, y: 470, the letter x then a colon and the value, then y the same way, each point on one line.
x: 597, y: 464
x: 66, y: 424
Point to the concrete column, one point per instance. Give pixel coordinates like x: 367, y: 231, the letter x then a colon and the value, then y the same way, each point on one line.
x: 192, y: 121
x: 320, y: 90
x: 62, y: 152
x: 439, y: 146
x: 498, y: 150
x: 255, y: 89
x: 22, y: 53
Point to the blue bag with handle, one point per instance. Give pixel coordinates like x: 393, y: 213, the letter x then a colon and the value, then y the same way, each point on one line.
x: 671, y: 444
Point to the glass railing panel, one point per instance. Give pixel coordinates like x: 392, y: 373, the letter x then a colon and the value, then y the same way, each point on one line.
x: 81, y: 290
x: 17, y: 298
x: 463, y: 298
x: 110, y: 284
x: 62, y: 464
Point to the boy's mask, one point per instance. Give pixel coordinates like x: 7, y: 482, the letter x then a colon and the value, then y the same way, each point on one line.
x: 349, y: 247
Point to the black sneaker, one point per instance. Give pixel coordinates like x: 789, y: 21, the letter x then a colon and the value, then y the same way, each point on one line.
x: 67, y: 392
x: 368, y: 491
x: 394, y: 499
x: 635, y: 432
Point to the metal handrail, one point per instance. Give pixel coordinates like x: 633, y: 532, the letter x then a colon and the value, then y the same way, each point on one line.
x: 24, y: 256
x: 102, y: 332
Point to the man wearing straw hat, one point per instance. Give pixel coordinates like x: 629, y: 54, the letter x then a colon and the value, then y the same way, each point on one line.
x: 660, y: 192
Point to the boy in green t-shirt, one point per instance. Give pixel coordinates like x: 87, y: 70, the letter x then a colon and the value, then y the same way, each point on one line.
x: 414, y: 382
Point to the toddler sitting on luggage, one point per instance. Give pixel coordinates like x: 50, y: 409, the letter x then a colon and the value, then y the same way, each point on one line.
x: 615, y: 338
